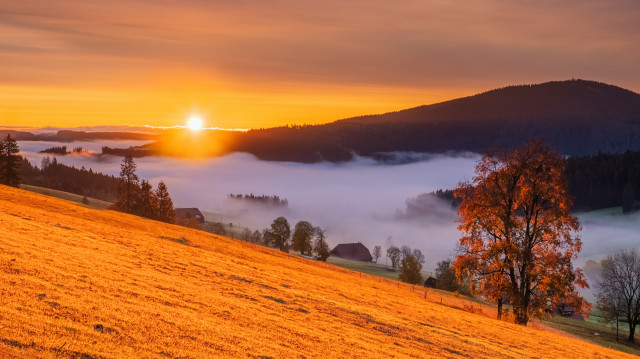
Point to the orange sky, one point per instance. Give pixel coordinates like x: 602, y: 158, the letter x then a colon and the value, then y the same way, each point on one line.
x: 248, y: 64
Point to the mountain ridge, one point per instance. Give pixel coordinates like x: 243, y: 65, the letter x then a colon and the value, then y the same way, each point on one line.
x: 576, y: 117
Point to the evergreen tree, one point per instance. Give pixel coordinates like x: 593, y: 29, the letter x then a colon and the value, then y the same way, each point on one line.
x: 10, y: 162
x: 165, y: 212
x: 148, y: 200
x: 128, y: 187
x: 320, y: 246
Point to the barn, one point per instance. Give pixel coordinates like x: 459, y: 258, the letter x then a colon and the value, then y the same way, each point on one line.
x: 352, y: 251
x: 185, y: 215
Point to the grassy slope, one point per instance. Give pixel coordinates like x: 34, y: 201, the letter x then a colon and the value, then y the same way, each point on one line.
x: 93, y: 203
x: 65, y: 268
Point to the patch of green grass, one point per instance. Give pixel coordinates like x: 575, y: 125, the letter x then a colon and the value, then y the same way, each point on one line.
x: 93, y: 203
x: 365, y: 267
x: 596, y: 332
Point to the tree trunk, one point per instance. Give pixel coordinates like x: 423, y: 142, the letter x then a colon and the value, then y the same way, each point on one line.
x: 632, y: 333
x: 499, y: 308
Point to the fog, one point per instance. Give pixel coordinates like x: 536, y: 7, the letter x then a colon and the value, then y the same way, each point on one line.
x: 363, y: 200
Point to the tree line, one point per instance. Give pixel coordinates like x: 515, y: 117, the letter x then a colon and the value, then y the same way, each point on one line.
x: 261, y: 199
x: 137, y: 196
x: 81, y: 181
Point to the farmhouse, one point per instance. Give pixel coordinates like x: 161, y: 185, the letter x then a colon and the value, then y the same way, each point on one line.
x: 352, y: 251
x: 185, y: 215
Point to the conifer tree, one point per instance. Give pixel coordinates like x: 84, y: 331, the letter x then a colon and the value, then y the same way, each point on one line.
x: 165, y: 212
x: 129, y: 187
x: 10, y: 162
x: 148, y: 200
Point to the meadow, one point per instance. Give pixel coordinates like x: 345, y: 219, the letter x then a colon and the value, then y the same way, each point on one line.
x: 78, y: 282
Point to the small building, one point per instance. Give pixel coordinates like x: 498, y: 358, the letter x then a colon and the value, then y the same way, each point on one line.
x: 567, y: 311
x: 352, y: 251
x: 430, y: 282
x: 186, y: 215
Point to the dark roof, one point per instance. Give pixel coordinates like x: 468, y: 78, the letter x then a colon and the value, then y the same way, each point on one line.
x: 188, y: 214
x: 353, y: 251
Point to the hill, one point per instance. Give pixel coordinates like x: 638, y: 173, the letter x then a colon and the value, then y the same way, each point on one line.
x: 78, y: 282
x: 575, y: 117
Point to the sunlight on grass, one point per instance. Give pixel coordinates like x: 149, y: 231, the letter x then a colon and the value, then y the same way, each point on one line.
x: 77, y: 282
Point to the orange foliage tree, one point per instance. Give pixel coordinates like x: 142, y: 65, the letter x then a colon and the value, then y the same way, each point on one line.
x: 519, y: 236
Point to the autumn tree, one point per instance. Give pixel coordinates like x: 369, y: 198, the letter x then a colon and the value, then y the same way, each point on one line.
x: 10, y: 162
x: 377, y: 252
x: 280, y: 233
x: 410, y: 270
x: 129, y: 185
x: 320, y: 246
x: 394, y: 254
x: 519, y: 237
x: 618, y: 290
x: 303, y: 233
x: 165, y: 211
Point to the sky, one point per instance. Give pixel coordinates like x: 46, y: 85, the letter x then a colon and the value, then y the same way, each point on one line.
x: 252, y: 64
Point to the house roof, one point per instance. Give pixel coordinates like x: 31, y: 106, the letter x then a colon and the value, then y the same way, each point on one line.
x: 189, y: 213
x: 353, y: 251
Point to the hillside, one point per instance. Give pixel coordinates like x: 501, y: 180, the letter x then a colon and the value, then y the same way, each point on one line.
x: 78, y: 282
x: 575, y: 117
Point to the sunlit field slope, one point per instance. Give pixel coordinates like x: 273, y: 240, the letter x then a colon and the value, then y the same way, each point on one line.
x: 78, y: 282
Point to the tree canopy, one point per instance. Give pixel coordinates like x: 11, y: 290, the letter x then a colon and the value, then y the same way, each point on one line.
x: 519, y: 236
x: 302, y: 236
x: 280, y: 233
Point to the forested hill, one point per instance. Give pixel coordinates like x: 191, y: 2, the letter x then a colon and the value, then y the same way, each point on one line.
x: 575, y: 117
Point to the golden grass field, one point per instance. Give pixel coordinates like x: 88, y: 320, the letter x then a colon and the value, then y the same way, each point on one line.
x: 163, y: 291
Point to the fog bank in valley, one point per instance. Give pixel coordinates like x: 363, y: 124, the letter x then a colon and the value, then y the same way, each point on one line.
x: 363, y: 200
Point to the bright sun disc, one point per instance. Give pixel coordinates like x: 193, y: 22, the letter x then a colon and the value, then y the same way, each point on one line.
x: 194, y: 123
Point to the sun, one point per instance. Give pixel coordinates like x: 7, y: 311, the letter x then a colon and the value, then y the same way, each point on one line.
x: 194, y: 123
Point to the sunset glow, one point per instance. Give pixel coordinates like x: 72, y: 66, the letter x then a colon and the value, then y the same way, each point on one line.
x: 194, y: 123
x: 262, y: 65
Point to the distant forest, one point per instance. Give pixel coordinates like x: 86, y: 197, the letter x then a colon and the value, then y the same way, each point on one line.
x: 605, y: 180
x: 61, y: 177
x: 261, y: 199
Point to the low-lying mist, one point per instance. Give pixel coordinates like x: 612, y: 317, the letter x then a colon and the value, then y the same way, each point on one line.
x: 363, y: 200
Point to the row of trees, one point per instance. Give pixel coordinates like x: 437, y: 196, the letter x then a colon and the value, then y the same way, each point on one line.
x: 307, y: 239
x: 10, y: 162
x: 138, y: 197
x: 55, y: 175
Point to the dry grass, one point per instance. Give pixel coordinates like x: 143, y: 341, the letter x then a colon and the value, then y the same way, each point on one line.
x: 171, y: 292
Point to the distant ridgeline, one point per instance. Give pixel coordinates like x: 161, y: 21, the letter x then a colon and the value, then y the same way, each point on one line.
x: 71, y: 135
x: 262, y: 199
x: 61, y: 177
